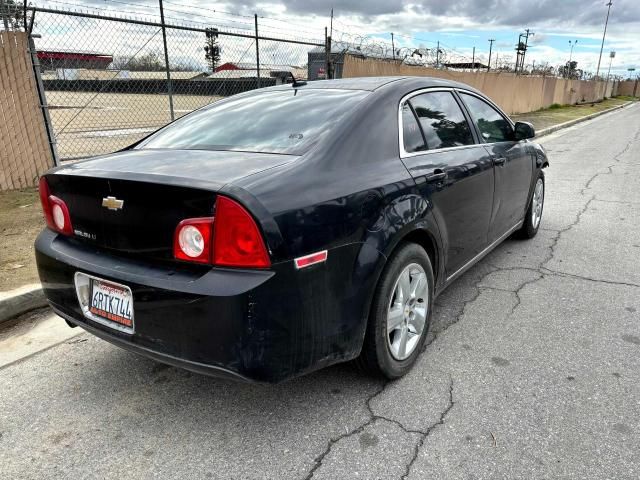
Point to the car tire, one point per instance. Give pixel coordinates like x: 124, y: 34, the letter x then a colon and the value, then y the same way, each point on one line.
x: 382, y: 350
x: 533, y: 217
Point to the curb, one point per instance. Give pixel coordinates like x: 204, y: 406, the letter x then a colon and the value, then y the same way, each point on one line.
x: 21, y: 300
x: 570, y: 123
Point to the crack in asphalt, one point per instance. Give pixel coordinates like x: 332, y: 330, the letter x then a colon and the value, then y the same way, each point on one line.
x: 430, y: 429
x: 558, y: 273
x: 627, y: 147
x: 556, y: 239
x: 619, y: 202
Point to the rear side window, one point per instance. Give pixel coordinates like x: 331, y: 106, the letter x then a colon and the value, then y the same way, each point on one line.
x: 280, y: 121
x: 411, y: 134
x: 492, y: 125
x: 442, y: 120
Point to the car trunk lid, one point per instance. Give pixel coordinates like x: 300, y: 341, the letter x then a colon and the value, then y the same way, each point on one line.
x: 133, y: 201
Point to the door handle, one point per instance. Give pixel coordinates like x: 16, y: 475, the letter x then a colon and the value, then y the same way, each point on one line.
x: 437, y: 175
x: 499, y: 161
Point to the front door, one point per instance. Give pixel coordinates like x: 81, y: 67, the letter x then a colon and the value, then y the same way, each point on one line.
x: 453, y: 172
x: 513, y: 164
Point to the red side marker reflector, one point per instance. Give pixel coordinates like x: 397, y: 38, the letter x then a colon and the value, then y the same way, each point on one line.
x: 308, y: 260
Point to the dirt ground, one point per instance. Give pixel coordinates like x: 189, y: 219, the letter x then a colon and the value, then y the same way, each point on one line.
x: 20, y: 222
x: 88, y: 124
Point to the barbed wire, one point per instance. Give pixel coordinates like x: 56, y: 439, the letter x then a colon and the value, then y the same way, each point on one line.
x: 411, y: 50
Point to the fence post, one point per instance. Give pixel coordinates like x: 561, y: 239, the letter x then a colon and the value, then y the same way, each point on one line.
x: 166, y: 62
x: 35, y: 63
x: 327, y: 55
x: 255, y: 15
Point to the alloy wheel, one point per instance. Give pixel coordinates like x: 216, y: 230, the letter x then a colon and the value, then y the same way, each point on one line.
x: 537, y: 203
x: 407, y: 311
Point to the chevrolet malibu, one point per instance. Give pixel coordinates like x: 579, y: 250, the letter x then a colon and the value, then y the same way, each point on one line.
x: 286, y: 229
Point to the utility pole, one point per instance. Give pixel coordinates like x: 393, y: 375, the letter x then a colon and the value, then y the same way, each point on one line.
x: 438, y: 55
x: 491, y: 40
x: 473, y: 59
x: 331, y: 24
x: 521, y: 49
x: 166, y: 63
x: 603, y: 36
x: 393, y: 47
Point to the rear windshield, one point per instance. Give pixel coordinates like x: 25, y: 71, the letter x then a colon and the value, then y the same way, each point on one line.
x: 282, y: 121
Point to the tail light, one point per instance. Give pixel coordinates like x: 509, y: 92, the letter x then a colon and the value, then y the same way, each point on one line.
x: 231, y: 239
x: 56, y: 212
x: 192, y: 241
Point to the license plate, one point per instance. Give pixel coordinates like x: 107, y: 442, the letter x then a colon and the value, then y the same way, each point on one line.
x: 105, y: 302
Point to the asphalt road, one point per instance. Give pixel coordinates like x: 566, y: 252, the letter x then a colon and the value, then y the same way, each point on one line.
x: 531, y: 371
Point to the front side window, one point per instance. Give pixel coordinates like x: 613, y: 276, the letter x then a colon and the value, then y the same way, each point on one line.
x: 442, y: 120
x: 280, y: 121
x: 493, y: 127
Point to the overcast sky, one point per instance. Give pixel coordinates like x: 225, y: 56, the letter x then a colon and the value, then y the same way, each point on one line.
x: 459, y: 25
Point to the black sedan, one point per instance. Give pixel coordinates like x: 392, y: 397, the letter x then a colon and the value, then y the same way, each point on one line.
x: 289, y: 228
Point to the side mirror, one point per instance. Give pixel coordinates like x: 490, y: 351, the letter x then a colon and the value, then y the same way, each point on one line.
x: 524, y: 130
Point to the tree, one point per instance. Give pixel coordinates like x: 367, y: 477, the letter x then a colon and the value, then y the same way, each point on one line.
x: 212, y: 49
x: 12, y: 13
x: 149, y: 62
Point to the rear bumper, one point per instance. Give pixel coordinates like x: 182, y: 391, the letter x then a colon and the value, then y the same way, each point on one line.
x: 262, y: 326
x: 201, y: 368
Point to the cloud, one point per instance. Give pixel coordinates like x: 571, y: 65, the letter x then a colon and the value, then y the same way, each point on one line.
x: 499, y: 13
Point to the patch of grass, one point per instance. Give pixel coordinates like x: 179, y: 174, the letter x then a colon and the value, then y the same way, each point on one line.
x: 556, y: 114
x: 627, y: 98
x: 20, y: 222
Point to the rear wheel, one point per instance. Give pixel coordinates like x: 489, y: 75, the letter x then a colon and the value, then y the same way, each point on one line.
x: 400, y: 313
x: 534, y: 212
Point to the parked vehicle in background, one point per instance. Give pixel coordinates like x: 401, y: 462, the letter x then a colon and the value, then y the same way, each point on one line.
x: 289, y: 228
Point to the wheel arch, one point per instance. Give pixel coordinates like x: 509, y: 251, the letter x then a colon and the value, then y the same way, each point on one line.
x: 420, y: 234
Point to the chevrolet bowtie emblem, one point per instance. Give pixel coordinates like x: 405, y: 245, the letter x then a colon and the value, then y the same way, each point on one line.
x: 112, y: 203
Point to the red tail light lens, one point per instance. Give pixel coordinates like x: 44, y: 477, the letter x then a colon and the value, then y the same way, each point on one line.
x: 232, y: 239
x: 237, y: 240
x: 56, y: 213
x: 192, y: 240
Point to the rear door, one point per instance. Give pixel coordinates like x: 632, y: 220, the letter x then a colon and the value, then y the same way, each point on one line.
x: 454, y: 172
x: 512, y: 160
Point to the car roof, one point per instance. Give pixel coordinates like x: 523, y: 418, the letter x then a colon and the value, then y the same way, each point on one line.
x: 374, y: 83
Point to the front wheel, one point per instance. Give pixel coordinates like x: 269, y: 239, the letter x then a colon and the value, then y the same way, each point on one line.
x: 400, y: 313
x: 534, y: 212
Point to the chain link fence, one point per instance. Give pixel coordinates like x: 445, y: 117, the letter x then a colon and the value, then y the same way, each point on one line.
x: 109, y: 83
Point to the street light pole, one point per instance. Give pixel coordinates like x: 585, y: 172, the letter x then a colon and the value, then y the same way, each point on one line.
x: 612, y: 55
x: 603, y: 37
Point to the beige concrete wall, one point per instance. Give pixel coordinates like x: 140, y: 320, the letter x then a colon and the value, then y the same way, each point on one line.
x: 514, y: 94
x: 629, y: 87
